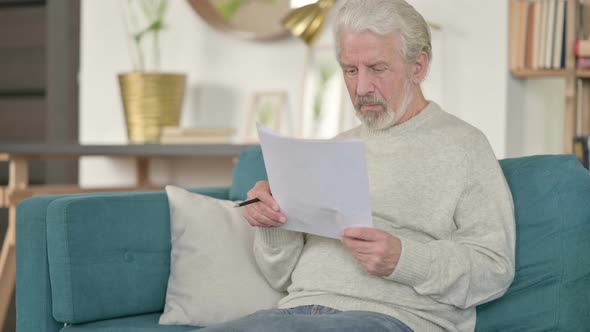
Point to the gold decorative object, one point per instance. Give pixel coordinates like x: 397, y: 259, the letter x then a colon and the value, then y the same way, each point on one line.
x: 248, y: 19
x: 306, y: 22
x: 151, y: 101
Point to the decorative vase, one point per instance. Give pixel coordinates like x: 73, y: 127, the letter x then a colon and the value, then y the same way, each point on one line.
x: 151, y: 101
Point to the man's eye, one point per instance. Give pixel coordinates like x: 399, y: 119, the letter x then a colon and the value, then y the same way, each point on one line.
x: 350, y: 71
x: 378, y: 69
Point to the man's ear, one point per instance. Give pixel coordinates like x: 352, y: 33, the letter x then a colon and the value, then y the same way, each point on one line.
x: 420, y: 68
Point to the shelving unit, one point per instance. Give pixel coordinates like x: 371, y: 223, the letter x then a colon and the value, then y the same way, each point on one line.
x: 574, y: 92
x: 39, y: 54
x: 535, y: 73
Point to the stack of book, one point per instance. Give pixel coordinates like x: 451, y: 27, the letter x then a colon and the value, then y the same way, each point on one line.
x: 537, y: 34
x: 177, y: 135
x: 581, y: 150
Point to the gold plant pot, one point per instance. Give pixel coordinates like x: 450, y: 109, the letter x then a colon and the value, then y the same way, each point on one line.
x: 151, y: 101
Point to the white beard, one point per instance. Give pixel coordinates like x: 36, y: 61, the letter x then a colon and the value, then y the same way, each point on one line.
x: 387, y: 118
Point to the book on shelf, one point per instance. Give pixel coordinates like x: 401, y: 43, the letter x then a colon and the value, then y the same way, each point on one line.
x: 537, y: 34
x: 178, y: 135
x: 538, y: 10
x: 529, y: 35
x: 581, y: 150
x: 583, y: 63
x: 550, y: 34
x: 516, y: 28
x: 558, y: 44
x: 543, y: 33
x: 582, y: 48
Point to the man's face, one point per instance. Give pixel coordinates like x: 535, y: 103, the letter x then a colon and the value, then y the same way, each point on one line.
x: 377, y: 78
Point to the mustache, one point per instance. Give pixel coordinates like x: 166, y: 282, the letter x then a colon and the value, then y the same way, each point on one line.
x: 369, y: 99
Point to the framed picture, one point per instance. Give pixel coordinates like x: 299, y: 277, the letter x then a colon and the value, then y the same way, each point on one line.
x: 267, y: 109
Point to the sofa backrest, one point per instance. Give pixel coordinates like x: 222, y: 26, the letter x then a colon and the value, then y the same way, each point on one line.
x: 249, y: 169
x: 551, y: 288
x: 110, y: 257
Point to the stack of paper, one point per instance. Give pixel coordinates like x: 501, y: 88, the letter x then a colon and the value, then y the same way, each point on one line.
x: 322, y: 186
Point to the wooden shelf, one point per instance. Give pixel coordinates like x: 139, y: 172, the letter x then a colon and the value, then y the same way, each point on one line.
x: 538, y: 73
x: 521, y: 37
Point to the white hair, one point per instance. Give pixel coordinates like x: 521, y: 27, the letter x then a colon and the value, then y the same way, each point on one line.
x: 384, y: 17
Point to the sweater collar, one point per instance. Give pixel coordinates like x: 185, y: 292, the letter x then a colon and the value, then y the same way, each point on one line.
x: 431, y: 110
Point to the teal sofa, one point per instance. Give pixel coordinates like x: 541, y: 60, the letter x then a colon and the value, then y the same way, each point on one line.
x: 100, y: 262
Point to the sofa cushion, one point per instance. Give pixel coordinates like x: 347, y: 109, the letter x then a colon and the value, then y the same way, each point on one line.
x: 213, y: 273
x: 142, y: 323
x: 249, y: 170
x: 551, y: 288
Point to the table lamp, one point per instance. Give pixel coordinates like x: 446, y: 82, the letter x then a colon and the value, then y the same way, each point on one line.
x: 306, y: 22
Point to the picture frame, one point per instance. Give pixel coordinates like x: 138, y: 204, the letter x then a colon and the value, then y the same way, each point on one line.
x: 267, y: 108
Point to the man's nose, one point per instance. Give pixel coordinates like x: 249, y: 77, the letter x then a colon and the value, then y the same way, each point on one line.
x: 365, y: 84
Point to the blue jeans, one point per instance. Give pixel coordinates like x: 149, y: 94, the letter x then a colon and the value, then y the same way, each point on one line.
x: 311, y: 318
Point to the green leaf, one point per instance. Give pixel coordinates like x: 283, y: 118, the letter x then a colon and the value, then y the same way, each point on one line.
x: 228, y: 8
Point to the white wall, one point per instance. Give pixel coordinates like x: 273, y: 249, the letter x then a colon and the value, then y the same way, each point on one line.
x: 535, y: 121
x: 470, y: 62
x: 223, y: 73
x: 469, y: 78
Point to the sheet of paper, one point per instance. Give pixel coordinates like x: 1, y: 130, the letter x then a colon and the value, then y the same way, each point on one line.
x: 322, y: 186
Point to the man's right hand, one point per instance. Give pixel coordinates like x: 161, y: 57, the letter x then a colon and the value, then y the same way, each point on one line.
x: 265, y: 213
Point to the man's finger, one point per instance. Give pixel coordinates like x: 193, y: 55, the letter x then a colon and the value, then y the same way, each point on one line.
x: 251, y: 221
x: 356, y: 245
x: 263, y: 209
x: 263, y: 219
x: 362, y: 233
x: 262, y: 191
x: 254, y: 223
x: 267, y: 199
x: 270, y: 213
x: 362, y: 258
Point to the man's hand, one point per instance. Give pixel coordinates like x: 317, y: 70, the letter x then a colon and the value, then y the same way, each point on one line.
x: 377, y: 251
x: 266, y: 212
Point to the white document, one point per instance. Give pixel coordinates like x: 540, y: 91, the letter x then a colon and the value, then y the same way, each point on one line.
x: 322, y: 186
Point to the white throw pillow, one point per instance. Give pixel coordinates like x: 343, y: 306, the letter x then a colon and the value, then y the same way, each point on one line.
x: 213, y: 275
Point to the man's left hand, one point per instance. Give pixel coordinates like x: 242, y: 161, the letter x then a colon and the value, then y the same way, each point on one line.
x: 377, y: 251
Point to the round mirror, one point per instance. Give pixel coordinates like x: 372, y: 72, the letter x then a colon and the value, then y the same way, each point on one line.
x: 251, y: 19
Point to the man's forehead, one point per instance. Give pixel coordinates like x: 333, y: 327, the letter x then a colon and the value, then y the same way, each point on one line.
x: 368, y: 45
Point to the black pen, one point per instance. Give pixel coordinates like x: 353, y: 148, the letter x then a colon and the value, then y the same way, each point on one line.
x: 244, y: 203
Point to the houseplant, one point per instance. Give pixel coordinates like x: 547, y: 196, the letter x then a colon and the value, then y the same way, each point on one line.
x: 151, y: 99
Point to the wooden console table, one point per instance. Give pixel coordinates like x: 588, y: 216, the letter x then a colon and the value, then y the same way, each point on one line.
x: 18, y: 155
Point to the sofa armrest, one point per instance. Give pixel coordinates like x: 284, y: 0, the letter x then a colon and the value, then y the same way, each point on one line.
x: 33, y: 290
x: 107, y: 255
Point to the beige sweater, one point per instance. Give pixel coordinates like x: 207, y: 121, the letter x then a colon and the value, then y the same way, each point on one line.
x: 435, y: 184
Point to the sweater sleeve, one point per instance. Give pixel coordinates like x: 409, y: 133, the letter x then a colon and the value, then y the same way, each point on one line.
x: 276, y: 252
x: 476, y: 264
